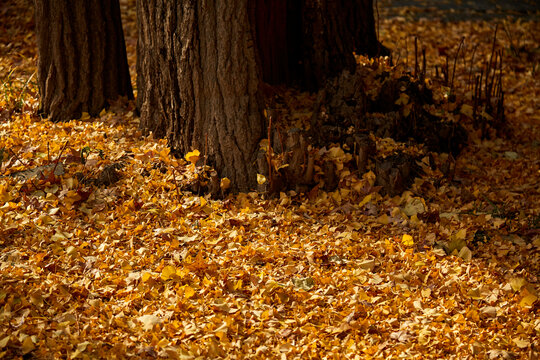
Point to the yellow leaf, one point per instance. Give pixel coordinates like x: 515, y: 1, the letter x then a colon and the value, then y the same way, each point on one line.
x: 146, y: 276
x: 407, y: 110
x: 528, y: 300
x: 4, y: 194
x: 517, y: 283
x: 238, y: 285
x: 36, y: 299
x: 472, y: 314
x: 193, y: 156
x: 4, y: 342
x: 370, y: 177
x: 486, y: 116
x: 27, y: 345
x: 467, y: 110
x: 207, y: 282
x: 461, y: 234
x: 202, y: 201
x: 521, y: 343
x: 383, y: 219
x: 403, y: 99
x: 366, y: 199
x: 415, y: 221
x: 367, y: 264
x: 149, y: 321
x: 465, y: 253
x: 225, y: 183
x: 362, y: 295
x: 264, y: 144
x: 414, y: 206
x: 167, y: 272
x: 475, y: 294
x: 188, y: 292
x: 423, y: 336
x: 336, y: 152
x: 426, y: 292
x: 407, y: 240
x: 261, y: 179
x: 265, y: 315
x: 336, y: 196
x: 80, y: 349
x: 164, y: 155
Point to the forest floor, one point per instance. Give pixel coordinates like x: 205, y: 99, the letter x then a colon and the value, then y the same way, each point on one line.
x: 101, y: 262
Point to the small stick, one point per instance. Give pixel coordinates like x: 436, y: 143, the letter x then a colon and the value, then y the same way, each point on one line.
x: 205, y: 149
x: 20, y: 160
x: 406, y: 54
x: 415, y: 56
x: 378, y: 28
x: 58, y: 158
x: 176, y: 182
x: 423, y: 63
x: 455, y: 61
x: 472, y: 64
x: 476, y: 95
x: 491, y: 59
x: 446, y: 72
x: 269, y: 149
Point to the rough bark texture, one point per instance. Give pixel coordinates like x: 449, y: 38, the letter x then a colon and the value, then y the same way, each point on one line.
x: 277, y: 29
x: 198, y: 82
x: 306, y: 42
x: 82, y: 57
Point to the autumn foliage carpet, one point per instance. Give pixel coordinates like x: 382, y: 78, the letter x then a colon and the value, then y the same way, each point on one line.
x: 131, y: 265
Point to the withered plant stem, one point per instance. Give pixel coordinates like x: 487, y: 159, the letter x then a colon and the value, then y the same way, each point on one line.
x: 269, y: 149
x: 454, y: 67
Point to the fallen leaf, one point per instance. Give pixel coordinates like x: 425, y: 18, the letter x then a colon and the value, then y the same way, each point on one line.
x: 149, y: 321
x: 407, y: 240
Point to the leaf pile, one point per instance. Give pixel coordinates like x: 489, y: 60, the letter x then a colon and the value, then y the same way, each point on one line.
x: 103, y: 254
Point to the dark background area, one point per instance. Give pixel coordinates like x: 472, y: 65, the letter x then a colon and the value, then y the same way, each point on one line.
x: 456, y: 10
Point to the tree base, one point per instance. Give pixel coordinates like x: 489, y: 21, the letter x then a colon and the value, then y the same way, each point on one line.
x: 351, y: 113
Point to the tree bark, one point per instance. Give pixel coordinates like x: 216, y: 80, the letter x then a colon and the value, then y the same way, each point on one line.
x: 82, y: 57
x: 198, y: 82
x: 309, y: 41
x: 200, y: 66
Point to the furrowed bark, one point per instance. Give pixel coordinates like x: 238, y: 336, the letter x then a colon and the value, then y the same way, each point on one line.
x: 306, y: 42
x: 198, y: 82
x: 82, y: 60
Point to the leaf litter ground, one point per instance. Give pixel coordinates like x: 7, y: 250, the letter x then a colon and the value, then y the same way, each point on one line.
x: 103, y: 255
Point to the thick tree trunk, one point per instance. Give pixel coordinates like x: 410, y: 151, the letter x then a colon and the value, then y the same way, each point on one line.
x: 82, y: 57
x: 198, y: 82
x: 200, y: 64
x: 309, y: 41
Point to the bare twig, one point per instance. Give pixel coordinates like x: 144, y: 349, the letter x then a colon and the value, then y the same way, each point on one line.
x: 20, y: 160
x: 471, y: 66
x: 415, y: 57
x: 269, y: 149
x: 59, y: 155
x: 176, y: 183
x: 205, y: 149
x: 423, y: 64
x: 454, y: 67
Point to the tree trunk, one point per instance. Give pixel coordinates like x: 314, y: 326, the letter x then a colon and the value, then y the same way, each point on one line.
x: 82, y: 57
x: 307, y: 42
x: 198, y: 82
x: 200, y: 63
